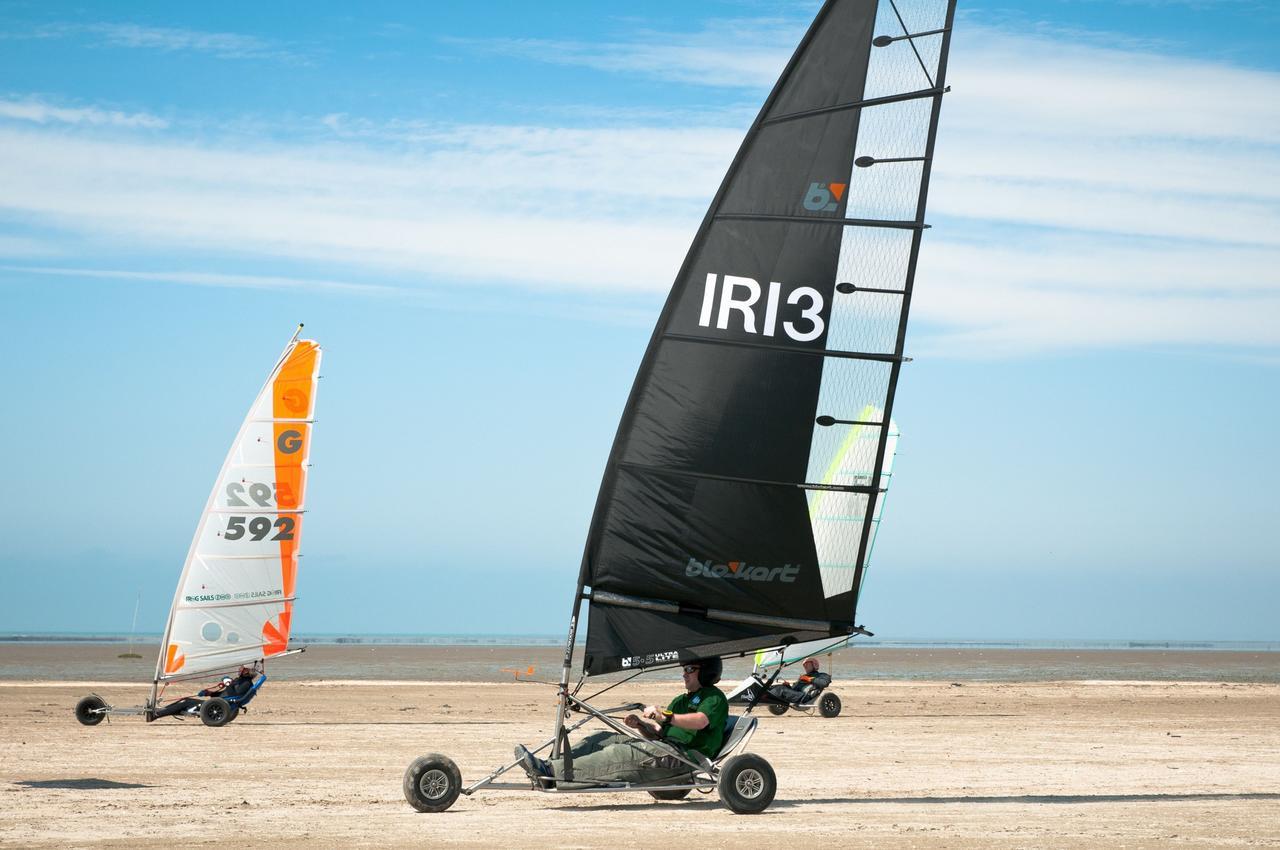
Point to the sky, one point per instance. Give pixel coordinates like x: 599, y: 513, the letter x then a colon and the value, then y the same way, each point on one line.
x: 478, y: 209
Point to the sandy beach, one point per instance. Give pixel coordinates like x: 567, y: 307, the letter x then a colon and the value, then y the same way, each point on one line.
x: 907, y: 764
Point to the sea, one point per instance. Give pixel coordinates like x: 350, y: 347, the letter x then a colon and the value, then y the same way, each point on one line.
x: 106, y: 656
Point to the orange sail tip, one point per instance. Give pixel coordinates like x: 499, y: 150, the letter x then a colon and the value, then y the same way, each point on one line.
x: 275, y: 638
x: 173, y: 661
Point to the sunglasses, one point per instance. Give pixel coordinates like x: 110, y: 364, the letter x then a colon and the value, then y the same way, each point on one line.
x: 691, y: 668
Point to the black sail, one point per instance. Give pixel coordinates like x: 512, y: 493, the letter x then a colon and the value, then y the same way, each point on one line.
x: 733, y: 510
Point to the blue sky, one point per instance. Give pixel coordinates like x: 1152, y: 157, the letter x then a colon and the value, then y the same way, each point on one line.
x: 478, y: 209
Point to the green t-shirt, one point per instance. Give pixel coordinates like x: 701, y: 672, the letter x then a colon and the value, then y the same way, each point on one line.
x: 711, y: 702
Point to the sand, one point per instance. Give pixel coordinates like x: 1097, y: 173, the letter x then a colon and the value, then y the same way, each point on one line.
x: 907, y: 764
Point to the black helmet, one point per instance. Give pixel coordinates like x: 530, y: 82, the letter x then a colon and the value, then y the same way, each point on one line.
x: 709, y: 670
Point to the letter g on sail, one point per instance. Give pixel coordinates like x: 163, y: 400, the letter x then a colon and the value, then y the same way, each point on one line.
x: 289, y: 441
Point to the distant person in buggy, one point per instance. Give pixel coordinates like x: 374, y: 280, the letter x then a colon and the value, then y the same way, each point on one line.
x: 809, y: 685
x: 228, y: 687
x: 692, y: 723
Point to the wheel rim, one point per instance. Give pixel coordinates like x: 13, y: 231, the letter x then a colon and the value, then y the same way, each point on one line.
x: 216, y: 712
x: 828, y: 704
x: 434, y: 784
x: 749, y: 783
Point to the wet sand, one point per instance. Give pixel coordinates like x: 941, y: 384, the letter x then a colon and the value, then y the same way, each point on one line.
x: 906, y: 764
x: 101, y: 662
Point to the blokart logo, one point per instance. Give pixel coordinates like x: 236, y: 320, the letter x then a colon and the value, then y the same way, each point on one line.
x: 741, y: 571
x: 824, y: 197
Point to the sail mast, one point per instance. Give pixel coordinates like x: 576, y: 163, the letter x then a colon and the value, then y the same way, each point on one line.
x: 940, y: 84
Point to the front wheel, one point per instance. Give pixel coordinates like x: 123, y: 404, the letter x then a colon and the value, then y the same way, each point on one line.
x: 777, y: 710
x: 670, y: 794
x: 432, y: 783
x: 829, y: 705
x: 747, y: 784
x: 91, y: 710
x: 216, y: 711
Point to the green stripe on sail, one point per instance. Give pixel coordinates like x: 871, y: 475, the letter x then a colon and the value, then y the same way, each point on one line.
x: 833, y: 468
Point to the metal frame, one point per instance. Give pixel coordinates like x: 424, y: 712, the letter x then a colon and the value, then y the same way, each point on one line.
x: 936, y: 91
x: 139, y: 710
x: 703, y: 774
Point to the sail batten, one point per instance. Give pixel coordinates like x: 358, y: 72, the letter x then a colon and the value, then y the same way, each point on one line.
x: 859, y: 104
x: 890, y: 224
x: 737, y: 343
x: 246, y: 604
x: 803, y: 484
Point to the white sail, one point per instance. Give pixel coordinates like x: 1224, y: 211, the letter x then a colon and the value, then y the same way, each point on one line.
x: 235, y: 597
x: 836, y: 516
x: 837, y: 526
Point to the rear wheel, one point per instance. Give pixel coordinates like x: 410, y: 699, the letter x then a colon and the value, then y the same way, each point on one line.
x: 747, y: 784
x: 432, y: 783
x: 829, y: 705
x: 216, y: 711
x: 777, y: 710
x: 670, y: 794
x: 91, y: 710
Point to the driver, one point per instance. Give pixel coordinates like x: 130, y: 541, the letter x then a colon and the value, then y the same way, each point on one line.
x: 227, y: 687
x: 693, y: 722
x: 813, y: 678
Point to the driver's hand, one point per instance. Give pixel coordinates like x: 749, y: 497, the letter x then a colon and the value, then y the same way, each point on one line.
x: 652, y: 711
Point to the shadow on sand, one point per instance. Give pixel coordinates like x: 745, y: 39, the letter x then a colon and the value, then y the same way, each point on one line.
x: 79, y: 784
x: 1070, y: 799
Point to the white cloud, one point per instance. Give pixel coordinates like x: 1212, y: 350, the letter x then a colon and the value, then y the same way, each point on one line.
x: 542, y: 215
x: 223, y: 44
x: 1089, y: 196
x: 27, y: 247
x: 735, y: 52
x: 1074, y: 293
x: 39, y: 112
x: 213, y: 279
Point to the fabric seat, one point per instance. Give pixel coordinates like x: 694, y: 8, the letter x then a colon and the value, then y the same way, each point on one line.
x: 736, y: 729
x: 242, y: 701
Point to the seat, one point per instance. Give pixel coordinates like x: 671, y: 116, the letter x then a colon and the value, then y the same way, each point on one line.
x: 737, y: 729
x: 242, y: 701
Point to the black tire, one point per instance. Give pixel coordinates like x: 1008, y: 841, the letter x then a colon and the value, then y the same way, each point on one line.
x: 216, y: 711
x: 89, y: 710
x: 670, y: 794
x: 776, y: 710
x: 432, y: 783
x: 747, y: 784
x: 829, y: 705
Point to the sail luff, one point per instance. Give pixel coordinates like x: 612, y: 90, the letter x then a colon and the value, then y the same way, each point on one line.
x: 940, y: 84
x: 168, y: 651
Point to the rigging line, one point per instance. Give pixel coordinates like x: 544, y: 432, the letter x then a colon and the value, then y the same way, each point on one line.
x: 911, y: 40
x: 614, y: 685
